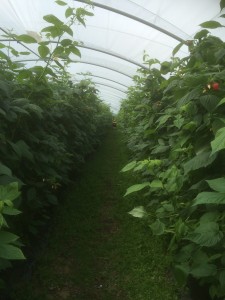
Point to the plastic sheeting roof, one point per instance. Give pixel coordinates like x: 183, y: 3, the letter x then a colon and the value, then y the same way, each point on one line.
x: 115, y: 38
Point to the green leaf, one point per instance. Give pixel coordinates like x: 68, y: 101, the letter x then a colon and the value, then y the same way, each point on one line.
x: 138, y: 212
x: 222, y: 277
x: 209, y: 217
x: 201, y: 160
x: 25, y: 38
x: 217, y: 185
x: 193, y: 94
x: 157, y: 227
x: 23, y: 74
x: 221, y: 102
x: 210, y: 102
x: 67, y: 29
x: 11, y: 252
x: 201, y: 34
x: 43, y: 51
x: 10, y: 211
x: 24, y: 53
x: 162, y: 120
x: 5, y: 170
x: 3, y: 56
x: 160, y: 149
x: 156, y: 184
x: 211, y: 24
x: 222, y: 4
x: 206, y: 234
x: 136, y: 188
x: 66, y: 42
x: 75, y: 50
x: 2, y: 112
x: 7, y: 237
x: 59, y: 2
x: 22, y: 149
x: 209, y: 198
x: 129, y: 166
x: 53, y: 20
x: 2, y: 46
x: 69, y: 12
x: 219, y: 142
x: 9, y: 192
x: 54, y: 31
x: 203, y: 270
x: 181, y: 273
x: 177, y: 48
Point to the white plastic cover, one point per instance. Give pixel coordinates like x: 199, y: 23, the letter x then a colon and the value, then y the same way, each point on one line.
x: 113, y: 32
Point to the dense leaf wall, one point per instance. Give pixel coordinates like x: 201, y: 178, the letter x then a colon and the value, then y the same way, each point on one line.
x: 174, y: 120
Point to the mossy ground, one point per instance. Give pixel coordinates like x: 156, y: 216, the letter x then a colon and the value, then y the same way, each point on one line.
x: 96, y: 250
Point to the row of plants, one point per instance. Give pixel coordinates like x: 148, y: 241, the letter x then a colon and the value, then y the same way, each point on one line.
x: 48, y: 126
x: 174, y: 120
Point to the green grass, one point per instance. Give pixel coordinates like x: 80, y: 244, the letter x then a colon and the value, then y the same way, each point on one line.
x: 96, y: 250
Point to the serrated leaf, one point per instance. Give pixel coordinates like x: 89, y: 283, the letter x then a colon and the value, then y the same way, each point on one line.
x: 181, y: 273
x: 217, y: 184
x: 209, y: 198
x: 201, y: 34
x: 67, y: 29
x: 222, y: 4
x: 138, y: 212
x: 43, y: 51
x: 11, y: 252
x: 209, y: 217
x: 162, y: 120
x: 211, y: 24
x: 136, y: 188
x: 203, y: 270
x: 54, y: 31
x: 5, y: 170
x: 219, y: 142
x: 221, y: 102
x: 9, y: 192
x: 210, y: 102
x: 222, y: 277
x: 129, y: 166
x: 7, y: 237
x: 157, y: 227
x: 177, y: 48
x: 193, y: 94
x: 2, y: 112
x: 75, y: 50
x: 25, y: 38
x: 156, y: 184
x: 68, y: 12
x: 10, y: 211
x: 61, y: 3
x: 206, y: 234
x: 66, y: 42
x: 201, y: 160
x: 52, y: 19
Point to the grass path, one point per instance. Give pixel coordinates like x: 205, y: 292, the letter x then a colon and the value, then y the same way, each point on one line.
x: 96, y: 251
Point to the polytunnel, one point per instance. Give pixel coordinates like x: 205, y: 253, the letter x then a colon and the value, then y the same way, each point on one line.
x: 112, y: 149
x: 115, y: 38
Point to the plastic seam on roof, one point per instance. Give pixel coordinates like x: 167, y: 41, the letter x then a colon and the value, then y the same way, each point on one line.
x: 90, y: 48
x: 82, y: 62
x: 113, y: 54
x: 125, y: 14
x: 103, y: 78
x: 107, y: 85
